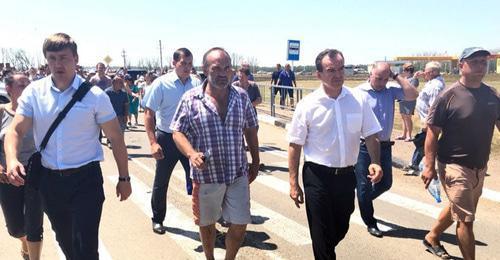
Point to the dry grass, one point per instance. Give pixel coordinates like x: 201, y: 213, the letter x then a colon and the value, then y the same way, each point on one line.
x: 491, y: 79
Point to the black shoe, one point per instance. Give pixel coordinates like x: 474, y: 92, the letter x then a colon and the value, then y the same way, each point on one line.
x: 374, y: 231
x: 158, y: 228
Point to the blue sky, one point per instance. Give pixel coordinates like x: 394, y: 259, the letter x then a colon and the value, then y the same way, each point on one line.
x: 364, y: 31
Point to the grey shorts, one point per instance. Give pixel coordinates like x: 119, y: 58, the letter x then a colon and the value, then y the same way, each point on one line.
x: 407, y: 107
x: 232, y: 201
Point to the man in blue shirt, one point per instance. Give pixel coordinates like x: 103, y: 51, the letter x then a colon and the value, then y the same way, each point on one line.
x: 381, y: 97
x: 161, y: 102
x: 287, y: 78
x: 71, y: 178
x: 119, y: 100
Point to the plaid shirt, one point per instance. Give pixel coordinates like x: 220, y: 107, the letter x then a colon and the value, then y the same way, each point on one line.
x: 198, y: 119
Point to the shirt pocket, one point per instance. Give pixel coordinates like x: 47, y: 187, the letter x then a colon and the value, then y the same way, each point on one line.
x: 81, y: 114
x: 354, y: 122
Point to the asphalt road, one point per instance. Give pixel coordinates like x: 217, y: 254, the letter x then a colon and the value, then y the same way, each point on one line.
x: 279, y: 230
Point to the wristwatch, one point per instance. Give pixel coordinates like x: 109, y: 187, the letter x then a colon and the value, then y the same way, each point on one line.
x: 127, y: 178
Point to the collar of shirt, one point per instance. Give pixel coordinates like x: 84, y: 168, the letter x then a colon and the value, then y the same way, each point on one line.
x: 172, y: 76
x: 74, y: 84
x: 321, y: 94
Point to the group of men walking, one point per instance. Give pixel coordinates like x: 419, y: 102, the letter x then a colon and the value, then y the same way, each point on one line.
x: 345, y: 135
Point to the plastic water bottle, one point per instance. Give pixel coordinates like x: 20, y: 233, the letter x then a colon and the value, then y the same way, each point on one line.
x: 435, y: 190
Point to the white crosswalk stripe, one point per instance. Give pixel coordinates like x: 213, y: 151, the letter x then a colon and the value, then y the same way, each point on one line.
x: 184, y: 238
x: 487, y: 193
x: 174, y: 215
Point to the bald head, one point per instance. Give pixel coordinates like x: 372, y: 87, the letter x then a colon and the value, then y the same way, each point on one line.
x: 379, y: 75
x: 217, y: 67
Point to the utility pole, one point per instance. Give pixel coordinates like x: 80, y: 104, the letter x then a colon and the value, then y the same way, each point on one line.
x: 124, y: 59
x: 161, y: 58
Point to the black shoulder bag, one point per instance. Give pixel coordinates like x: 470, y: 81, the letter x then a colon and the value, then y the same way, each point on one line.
x: 34, y: 168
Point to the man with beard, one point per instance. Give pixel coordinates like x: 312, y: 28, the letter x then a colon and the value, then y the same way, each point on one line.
x: 160, y: 104
x: 208, y: 128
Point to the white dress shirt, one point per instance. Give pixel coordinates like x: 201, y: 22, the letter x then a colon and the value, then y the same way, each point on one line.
x: 330, y: 129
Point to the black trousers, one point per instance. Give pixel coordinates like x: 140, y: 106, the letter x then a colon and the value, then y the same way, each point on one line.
x: 73, y: 203
x: 22, y: 210
x: 329, y: 204
x: 164, y: 168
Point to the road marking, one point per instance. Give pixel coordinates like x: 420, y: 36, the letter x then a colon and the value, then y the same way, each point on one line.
x: 491, y: 195
x: 487, y: 193
x: 187, y: 234
x: 289, y: 230
x: 177, y: 173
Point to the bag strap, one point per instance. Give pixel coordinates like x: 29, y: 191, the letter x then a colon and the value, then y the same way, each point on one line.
x: 77, y: 96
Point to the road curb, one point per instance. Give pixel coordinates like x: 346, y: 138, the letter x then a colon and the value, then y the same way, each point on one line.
x: 396, y: 162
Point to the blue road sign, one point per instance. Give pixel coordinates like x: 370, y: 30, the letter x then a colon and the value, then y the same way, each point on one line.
x: 293, y: 50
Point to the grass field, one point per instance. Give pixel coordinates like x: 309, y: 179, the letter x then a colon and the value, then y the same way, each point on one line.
x: 491, y: 79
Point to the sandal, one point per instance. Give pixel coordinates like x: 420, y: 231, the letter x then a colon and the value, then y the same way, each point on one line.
x: 25, y: 255
x: 438, y: 250
x: 400, y: 138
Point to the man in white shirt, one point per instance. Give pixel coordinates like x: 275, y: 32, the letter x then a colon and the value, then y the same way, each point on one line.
x: 328, y: 123
x: 435, y: 84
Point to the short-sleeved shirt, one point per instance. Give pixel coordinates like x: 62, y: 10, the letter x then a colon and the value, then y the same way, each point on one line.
x: 382, y: 104
x: 103, y: 83
x: 236, y: 78
x: 467, y: 117
x: 252, y: 90
x: 27, y: 146
x: 286, y: 78
x: 118, y: 100
x: 164, y: 96
x: 75, y: 141
x: 275, y: 76
x: 329, y: 129
x: 198, y: 119
x: 427, y: 96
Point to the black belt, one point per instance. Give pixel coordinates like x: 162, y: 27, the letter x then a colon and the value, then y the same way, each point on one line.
x: 344, y: 170
x: 332, y: 170
x: 68, y: 172
x: 382, y: 143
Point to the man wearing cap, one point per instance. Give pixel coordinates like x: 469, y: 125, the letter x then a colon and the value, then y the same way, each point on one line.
x: 434, y: 85
x: 381, y: 97
x: 407, y: 108
x: 159, y: 105
x: 463, y: 116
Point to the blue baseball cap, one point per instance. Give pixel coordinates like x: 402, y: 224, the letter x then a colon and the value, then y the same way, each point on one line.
x: 473, y: 50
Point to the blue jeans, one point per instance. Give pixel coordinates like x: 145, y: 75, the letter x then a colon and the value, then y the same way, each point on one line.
x: 164, y: 168
x: 366, y: 192
x: 418, y: 154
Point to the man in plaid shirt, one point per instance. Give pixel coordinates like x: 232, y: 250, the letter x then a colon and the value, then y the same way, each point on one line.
x: 208, y: 128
